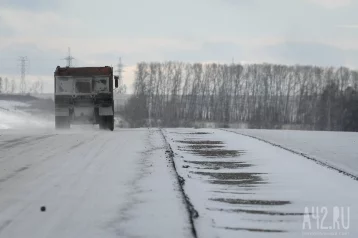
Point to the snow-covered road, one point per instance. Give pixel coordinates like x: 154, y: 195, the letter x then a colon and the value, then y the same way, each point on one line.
x: 123, y: 184
x: 92, y: 183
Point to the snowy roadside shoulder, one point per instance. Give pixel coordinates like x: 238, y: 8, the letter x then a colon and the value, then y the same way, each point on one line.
x: 241, y: 186
x: 335, y: 150
x: 156, y: 206
x: 11, y: 118
x: 11, y: 105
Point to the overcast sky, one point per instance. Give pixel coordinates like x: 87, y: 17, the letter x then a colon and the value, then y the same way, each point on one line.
x: 320, y: 32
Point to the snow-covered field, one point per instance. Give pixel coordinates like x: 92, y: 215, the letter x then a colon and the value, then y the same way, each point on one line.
x: 243, y: 187
x: 338, y: 149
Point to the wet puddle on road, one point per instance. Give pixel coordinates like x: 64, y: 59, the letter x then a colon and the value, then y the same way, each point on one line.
x: 217, y: 153
x: 216, y: 165
x: 204, y: 146
x: 200, y: 142
x: 234, y: 184
x: 258, y: 212
x: 251, y: 202
x: 238, y: 179
x: 252, y: 229
x: 192, y: 133
x: 209, y: 149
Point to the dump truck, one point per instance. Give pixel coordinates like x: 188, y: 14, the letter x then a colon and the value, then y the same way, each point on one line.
x: 84, y: 95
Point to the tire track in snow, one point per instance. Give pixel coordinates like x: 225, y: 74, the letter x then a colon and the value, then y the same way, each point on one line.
x: 88, y: 158
x: 23, y: 140
x: 14, y: 142
x: 190, y: 208
x: 124, y: 212
x: 317, y: 161
x: 27, y: 141
x: 13, y: 174
x: 4, y: 225
x: 34, y: 141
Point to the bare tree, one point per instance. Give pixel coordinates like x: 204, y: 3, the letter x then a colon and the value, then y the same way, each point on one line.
x: 13, y: 86
x: 6, y: 85
x: 41, y: 86
x: 262, y: 95
x: 35, y: 87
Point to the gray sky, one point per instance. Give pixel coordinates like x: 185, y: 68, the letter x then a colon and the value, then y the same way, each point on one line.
x: 320, y: 32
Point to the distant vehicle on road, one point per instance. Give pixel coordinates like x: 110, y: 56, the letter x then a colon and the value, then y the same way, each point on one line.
x: 84, y: 95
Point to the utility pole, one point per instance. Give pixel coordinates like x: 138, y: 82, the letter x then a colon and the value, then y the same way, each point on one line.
x: 23, y: 61
x: 120, y: 69
x: 69, y: 58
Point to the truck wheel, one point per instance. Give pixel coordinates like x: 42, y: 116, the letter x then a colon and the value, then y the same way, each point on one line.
x: 110, y: 123
x: 106, y: 123
x: 62, y: 122
x: 103, y: 123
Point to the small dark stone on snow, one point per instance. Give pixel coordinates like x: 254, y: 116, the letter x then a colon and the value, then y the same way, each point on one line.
x: 185, y: 166
x: 43, y: 208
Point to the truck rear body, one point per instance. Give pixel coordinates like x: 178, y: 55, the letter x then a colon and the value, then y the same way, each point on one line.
x: 84, y: 96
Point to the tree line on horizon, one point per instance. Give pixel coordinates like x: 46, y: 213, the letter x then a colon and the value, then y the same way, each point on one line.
x: 268, y: 96
x: 10, y: 87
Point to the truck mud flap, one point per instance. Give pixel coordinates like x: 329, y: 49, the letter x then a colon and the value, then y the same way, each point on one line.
x: 83, y: 111
x: 105, y: 111
x: 63, y: 112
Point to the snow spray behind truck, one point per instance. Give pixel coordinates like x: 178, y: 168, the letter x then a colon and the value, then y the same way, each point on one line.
x: 84, y: 95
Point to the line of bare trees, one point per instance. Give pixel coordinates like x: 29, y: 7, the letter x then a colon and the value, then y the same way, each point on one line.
x: 7, y: 86
x: 10, y: 86
x: 261, y: 95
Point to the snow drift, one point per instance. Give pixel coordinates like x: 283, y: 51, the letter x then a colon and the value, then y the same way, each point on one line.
x: 13, y: 117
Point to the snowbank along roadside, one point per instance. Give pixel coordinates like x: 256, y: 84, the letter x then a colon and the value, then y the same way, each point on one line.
x: 337, y: 150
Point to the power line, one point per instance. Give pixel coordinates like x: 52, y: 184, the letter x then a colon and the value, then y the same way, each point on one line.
x: 24, y: 63
x: 120, y: 69
x: 69, y: 58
